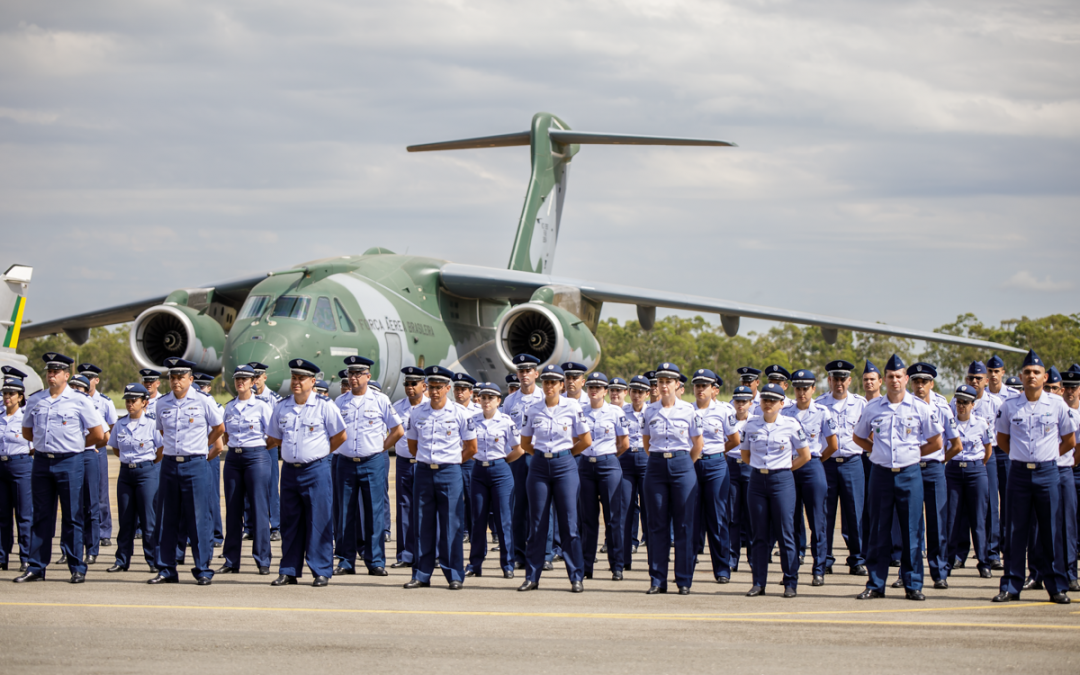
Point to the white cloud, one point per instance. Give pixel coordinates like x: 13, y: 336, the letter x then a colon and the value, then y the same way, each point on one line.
x: 1026, y: 281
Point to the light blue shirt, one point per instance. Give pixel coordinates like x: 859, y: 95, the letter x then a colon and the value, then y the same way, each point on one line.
x: 247, y: 422
x: 1067, y: 460
x: 846, y: 412
x: 496, y: 437
x: 738, y: 426
x: 605, y: 423
x: 671, y: 429
x: 60, y: 424
x: 899, y: 430
x: 271, y: 398
x: 553, y: 429
x: 305, y: 430
x: 717, y: 423
x: 439, y: 434
x: 518, y: 403
x: 186, y: 423
x: 985, y: 407
x: 634, y: 423
x: 947, y: 420
x: 367, y: 418
x: 974, y: 436
x: 817, y: 423
x: 137, y: 440
x: 11, y: 439
x: 1035, y: 427
x: 151, y: 408
x: 404, y: 411
x: 772, y: 446
x: 105, y: 408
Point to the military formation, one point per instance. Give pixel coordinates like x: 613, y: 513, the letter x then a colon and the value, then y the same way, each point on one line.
x: 917, y: 481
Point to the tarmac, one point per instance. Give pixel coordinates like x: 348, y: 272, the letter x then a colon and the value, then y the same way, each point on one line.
x: 115, y: 623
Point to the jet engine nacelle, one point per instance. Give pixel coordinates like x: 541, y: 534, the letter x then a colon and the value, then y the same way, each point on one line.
x: 548, y: 332
x: 176, y: 330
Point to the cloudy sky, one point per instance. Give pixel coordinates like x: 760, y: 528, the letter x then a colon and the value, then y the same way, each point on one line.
x: 898, y: 161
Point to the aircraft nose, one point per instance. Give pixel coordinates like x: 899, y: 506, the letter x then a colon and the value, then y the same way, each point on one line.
x: 264, y: 351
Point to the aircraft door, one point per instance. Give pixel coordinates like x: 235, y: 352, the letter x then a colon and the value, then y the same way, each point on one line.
x: 392, y: 366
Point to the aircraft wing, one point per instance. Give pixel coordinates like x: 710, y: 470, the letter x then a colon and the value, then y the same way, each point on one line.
x: 77, y: 326
x: 485, y: 282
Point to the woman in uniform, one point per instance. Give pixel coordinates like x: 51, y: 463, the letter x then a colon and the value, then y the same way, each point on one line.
x: 136, y: 441
x: 601, y: 476
x: 739, y: 471
x: 554, y: 433
x: 967, y: 483
x: 633, y: 463
x: 15, y: 467
x: 714, y: 483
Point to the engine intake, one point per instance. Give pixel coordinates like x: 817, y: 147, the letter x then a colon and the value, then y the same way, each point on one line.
x: 548, y: 332
x: 176, y: 330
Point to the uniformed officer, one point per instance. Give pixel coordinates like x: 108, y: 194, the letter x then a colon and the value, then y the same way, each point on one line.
x: 16, y: 499
x: 1070, y: 479
x: 61, y: 423
x: 376, y: 387
x: 308, y: 428
x: 362, y: 474
x: 151, y: 379
x: 135, y: 440
x: 512, y: 383
x: 965, y: 474
x: 205, y: 383
x: 554, y: 432
x: 897, y: 430
x: 516, y: 405
x: 1014, y: 383
x: 997, y: 476
x: 108, y: 413
x: 634, y: 462
x: 322, y: 388
x: 271, y: 397
x: 343, y: 377
x: 498, y: 445
x: 844, y: 476
x: 463, y: 396
x: 90, y: 497
x: 717, y: 419
x: 574, y: 386
x: 778, y: 375
x: 811, y: 488
x: 600, y: 474
x: 247, y: 473
x: 1034, y: 429
x: 739, y: 537
x: 672, y: 437
x: 441, y: 436
x: 750, y: 377
x: 654, y: 387
x: 191, y: 424
x: 773, y: 445
x: 405, y: 468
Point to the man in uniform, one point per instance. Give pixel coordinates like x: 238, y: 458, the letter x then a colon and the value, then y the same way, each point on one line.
x: 61, y: 423
x: 512, y: 383
x: 997, y: 469
x: 308, y: 428
x: 264, y: 393
x: 515, y: 405
x: 405, y: 468
x: 108, y: 413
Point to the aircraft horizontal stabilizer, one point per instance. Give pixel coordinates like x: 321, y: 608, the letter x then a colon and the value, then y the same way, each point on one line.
x: 601, y: 138
x: 500, y: 141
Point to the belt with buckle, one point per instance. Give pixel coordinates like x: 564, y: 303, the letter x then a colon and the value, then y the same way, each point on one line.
x: 637, y: 449
x: 412, y: 461
x: 897, y: 469
x: 50, y: 455
x: 138, y: 465
x: 1030, y: 465
x: 238, y: 451
x: 929, y: 461
x: 4, y: 458
x: 490, y: 462
x: 766, y: 472
x: 591, y: 459
x: 553, y: 455
x: 179, y: 459
x: 838, y: 460
x: 668, y: 455
x: 963, y: 465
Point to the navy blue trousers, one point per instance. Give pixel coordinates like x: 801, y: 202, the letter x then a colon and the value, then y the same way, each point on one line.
x: 811, y: 491
x: 247, y: 494
x: 899, y: 494
x: 185, y: 513
x: 998, y: 533
x: 739, y: 532
x: 991, y: 519
x: 136, y: 489
x: 404, y: 470
x: 215, y: 499
x: 492, y: 491
x: 711, y: 519
x: 439, y: 512
x: 335, y: 465
x: 466, y: 486
x: 968, y: 496
x: 633, y: 463
x: 520, y: 507
x: 16, y: 506
x: 386, y: 499
x: 91, y: 503
x: 671, y: 495
x: 936, y: 519
x: 601, y: 488
x: 846, y: 485
x: 105, y: 524
x: 1033, y: 500
x: 772, y: 518
x: 1065, y: 518
x: 307, y: 530
x: 1072, y: 572
x: 866, y: 467
x: 554, y: 485
x: 361, y: 486
x: 275, y: 488
x: 57, y: 479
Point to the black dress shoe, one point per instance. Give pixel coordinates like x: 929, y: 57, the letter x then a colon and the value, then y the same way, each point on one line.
x: 466, y: 539
x: 386, y: 537
x: 633, y: 550
x: 28, y: 576
x: 684, y: 590
x: 90, y: 560
x: 723, y: 580
x: 23, y: 567
x: 914, y: 595
x: 105, y: 542
x: 894, y: 563
x: 415, y: 583
x: 344, y: 570
x: 858, y: 571
x: 284, y: 580
x: 755, y: 591
x: 455, y: 586
x: 470, y: 573
x: 399, y: 564
x: 941, y: 585
x: 548, y: 566
x: 225, y: 569
x: 997, y: 565
x: 828, y: 569
x: 247, y: 536
x: 1005, y: 597
x: 1031, y: 584
x: 899, y: 583
x: 869, y: 594
x: 153, y: 568
x: 519, y: 565
x: 116, y: 568
x: 275, y: 536
x: 578, y: 587
x: 603, y: 549
x: 985, y: 573
x: 802, y: 560
x: 789, y: 592
x: 319, y: 581
x: 959, y: 565
x: 529, y: 585
x: 264, y: 571
x: 3, y: 567
x: 62, y: 560
x: 163, y: 579
x: 203, y: 581
x: 1074, y: 586
x: 616, y: 575
x: 77, y: 578
x: 588, y: 575
x: 378, y: 572
x: 653, y: 590
x: 1060, y: 598
x: 557, y: 558
x: 508, y: 574
x: 818, y: 580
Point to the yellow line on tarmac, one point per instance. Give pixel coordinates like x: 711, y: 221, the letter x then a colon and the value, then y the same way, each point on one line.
x: 767, y: 617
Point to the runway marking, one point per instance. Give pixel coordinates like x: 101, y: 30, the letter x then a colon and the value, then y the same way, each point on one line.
x: 758, y: 617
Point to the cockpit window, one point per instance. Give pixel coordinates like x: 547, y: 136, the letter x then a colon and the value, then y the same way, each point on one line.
x: 254, y: 307
x: 343, y: 318
x: 291, y: 307
x: 324, y: 316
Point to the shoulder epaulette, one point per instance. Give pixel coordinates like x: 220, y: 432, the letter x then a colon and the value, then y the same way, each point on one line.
x: 105, y: 397
x: 323, y: 397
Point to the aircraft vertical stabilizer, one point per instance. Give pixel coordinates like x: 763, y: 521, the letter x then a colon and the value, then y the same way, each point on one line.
x: 12, y: 303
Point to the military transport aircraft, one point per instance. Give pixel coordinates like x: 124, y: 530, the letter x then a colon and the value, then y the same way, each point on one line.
x: 409, y: 310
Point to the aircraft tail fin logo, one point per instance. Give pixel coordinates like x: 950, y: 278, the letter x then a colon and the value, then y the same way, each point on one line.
x: 13, y: 303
